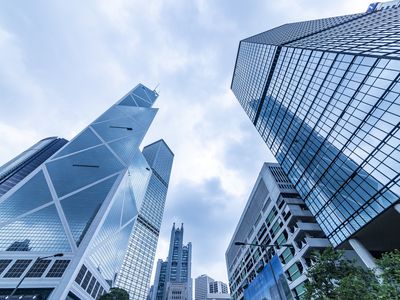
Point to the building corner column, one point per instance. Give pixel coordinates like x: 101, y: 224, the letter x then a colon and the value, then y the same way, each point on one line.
x: 397, y: 207
x: 365, y: 256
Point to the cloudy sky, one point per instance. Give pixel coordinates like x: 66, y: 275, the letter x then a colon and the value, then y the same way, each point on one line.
x: 63, y: 63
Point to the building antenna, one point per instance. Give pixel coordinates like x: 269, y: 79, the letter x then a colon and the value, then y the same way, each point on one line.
x: 155, y: 89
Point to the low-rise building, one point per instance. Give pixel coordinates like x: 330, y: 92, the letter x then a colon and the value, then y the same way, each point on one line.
x: 207, y: 288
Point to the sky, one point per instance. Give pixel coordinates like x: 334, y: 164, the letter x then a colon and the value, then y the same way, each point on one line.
x: 63, y: 63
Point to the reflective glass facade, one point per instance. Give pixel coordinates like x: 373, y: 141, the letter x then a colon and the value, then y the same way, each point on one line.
x: 19, y: 167
x: 326, y: 102
x: 84, y: 202
x: 136, y: 269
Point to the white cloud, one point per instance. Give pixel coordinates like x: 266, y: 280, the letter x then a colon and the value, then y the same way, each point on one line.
x: 62, y: 65
x: 15, y: 140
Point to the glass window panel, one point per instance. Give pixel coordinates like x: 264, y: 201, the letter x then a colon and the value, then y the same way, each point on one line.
x: 32, y: 194
x: 81, y: 208
x: 116, y: 128
x: 125, y: 148
x: 39, y: 231
x: 4, y: 264
x: 38, y: 268
x: 58, y: 268
x: 112, y: 113
x: 140, y: 101
x: 84, y: 140
x: 145, y: 93
x: 17, y: 268
x: 78, y: 170
x: 128, y: 100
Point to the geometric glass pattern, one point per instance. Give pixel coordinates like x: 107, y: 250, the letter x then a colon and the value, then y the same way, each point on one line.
x: 40, y: 231
x: 32, y: 194
x: 134, y: 275
x: 140, y: 101
x: 84, y: 200
x: 82, y: 168
x: 81, y: 208
x: 86, y: 139
x: 25, y: 163
x: 325, y: 97
x: 128, y: 100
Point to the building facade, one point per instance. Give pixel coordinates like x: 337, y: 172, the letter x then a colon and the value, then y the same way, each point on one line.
x: 84, y: 202
x: 274, y: 214
x: 173, y: 277
x: 19, y: 167
x: 207, y: 288
x: 136, y: 269
x: 324, y: 96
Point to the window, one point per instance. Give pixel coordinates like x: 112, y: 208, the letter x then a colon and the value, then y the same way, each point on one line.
x: 91, y: 285
x: 86, y: 280
x: 80, y: 275
x: 275, y: 228
x: 271, y: 216
x: 58, y: 268
x: 294, y: 271
x: 300, y: 290
x: 18, y: 268
x: 38, y: 268
x: 287, y: 255
x: 282, y: 238
x: 4, y: 264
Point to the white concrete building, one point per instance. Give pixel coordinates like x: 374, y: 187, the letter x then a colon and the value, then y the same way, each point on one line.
x: 207, y: 288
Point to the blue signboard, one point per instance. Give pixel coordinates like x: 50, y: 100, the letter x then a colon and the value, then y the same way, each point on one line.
x: 263, y: 286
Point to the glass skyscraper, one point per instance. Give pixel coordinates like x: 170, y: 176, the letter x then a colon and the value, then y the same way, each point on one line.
x: 173, y: 279
x: 19, y: 167
x: 84, y: 202
x: 136, y: 269
x: 324, y: 96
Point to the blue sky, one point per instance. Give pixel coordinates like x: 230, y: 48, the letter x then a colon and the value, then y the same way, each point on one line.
x: 63, y: 63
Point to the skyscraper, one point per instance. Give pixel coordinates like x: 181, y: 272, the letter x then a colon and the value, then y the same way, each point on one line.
x: 207, y: 288
x: 83, y: 202
x: 324, y: 96
x: 173, y: 277
x: 135, y: 272
x: 19, y: 167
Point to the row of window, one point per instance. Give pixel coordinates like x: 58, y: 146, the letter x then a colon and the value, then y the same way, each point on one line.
x: 89, y: 283
x: 37, y: 269
x: 251, y: 259
x: 299, y: 158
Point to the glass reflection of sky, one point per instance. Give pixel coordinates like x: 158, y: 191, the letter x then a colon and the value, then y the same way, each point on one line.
x: 263, y: 286
x: 43, y: 230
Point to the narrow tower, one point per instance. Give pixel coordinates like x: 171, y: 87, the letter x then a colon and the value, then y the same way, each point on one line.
x: 173, y: 277
x: 135, y: 272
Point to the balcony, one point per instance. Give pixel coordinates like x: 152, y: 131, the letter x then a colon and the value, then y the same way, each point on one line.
x: 294, y: 201
x: 310, y: 227
x: 301, y: 230
x: 300, y: 212
x: 309, y: 244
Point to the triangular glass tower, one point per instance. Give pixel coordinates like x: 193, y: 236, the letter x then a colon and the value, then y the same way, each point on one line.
x: 83, y: 202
